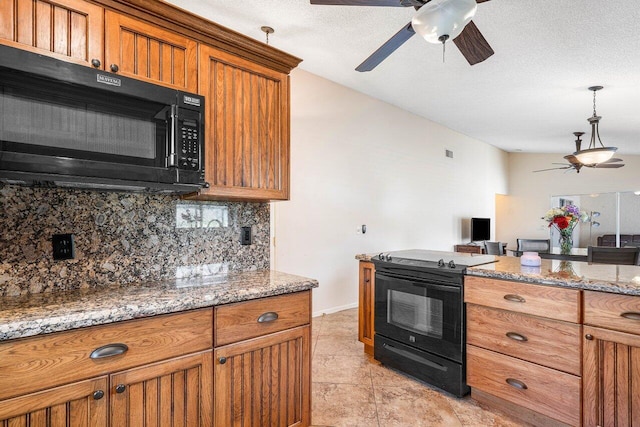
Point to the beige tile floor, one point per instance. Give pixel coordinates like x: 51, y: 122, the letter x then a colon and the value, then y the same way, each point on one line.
x: 350, y: 388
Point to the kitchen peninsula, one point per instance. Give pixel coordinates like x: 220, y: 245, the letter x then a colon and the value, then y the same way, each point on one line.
x: 544, y: 343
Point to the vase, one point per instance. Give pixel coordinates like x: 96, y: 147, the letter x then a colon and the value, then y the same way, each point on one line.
x: 566, y: 243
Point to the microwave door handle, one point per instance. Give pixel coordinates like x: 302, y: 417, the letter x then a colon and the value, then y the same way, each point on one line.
x: 172, y: 156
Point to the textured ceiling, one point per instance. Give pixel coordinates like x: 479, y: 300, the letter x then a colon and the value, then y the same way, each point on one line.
x: 530, y: 96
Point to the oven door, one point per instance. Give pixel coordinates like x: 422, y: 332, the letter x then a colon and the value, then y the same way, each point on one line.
x: 423, y: 314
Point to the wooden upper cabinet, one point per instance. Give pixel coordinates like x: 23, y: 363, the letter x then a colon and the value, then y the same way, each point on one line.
x: 144, y: 51
x: 71, y: 30
x: 247, y: 128
x: 80, y: 404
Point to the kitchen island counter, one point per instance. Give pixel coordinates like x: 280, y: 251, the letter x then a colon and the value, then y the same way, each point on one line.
x: 35, y: 314
x: 619, y: 279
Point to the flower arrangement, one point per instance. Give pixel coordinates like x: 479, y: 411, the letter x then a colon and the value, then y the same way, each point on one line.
x: 565, y: 219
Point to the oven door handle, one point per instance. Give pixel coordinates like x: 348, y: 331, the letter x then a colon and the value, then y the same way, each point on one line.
x: 414, y: 357
x: 430, y: 284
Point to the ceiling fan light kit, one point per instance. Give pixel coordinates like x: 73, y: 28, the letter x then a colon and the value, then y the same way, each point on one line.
x: 440, y: 20
x: 593, y: 154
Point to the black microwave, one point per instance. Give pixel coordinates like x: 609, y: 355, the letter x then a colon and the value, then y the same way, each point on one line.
x: 68, y: 125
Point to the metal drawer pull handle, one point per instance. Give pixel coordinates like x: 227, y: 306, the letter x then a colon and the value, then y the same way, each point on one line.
x: 98, y: 394
x: 514, y: 298
x: 269, y: 316
x: 516, y: 336
x: 631, y: 315
x: 120, y: 388
x: 109, y: 350
x: 516, y: 383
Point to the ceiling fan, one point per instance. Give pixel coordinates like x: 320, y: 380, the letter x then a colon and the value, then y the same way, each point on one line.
x: 574, y: 163
x: 435, y: 20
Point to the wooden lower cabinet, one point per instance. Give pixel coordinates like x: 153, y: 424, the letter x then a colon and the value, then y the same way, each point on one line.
x: 79, y: 404
x: 366, y: 304
x: 264, y: 381
x: 611, y: 375
x: 175, y: 392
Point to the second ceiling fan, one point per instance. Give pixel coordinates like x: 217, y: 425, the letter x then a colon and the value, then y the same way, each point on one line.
x: 435, y: 20
x: 576, y: 164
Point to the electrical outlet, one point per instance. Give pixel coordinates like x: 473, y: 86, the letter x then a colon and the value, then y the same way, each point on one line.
x: 63, y: 246
x: 245, y: 236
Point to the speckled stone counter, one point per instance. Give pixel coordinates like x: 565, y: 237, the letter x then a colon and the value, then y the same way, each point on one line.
x: 620, y: 279
x: 35, y: 314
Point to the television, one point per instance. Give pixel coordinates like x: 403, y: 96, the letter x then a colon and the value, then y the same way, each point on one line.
x: 480, y: 229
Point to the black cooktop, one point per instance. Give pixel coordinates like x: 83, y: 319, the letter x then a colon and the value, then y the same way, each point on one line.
x: 420, y: 258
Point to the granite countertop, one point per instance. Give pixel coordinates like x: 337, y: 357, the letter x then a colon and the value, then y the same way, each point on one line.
x: 619, y: 279
x: 35, y: 314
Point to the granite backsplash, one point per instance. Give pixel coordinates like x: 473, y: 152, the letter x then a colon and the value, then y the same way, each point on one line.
x: 122, y: 238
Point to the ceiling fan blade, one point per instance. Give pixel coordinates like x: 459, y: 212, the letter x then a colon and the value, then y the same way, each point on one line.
x: 481, y: 1
x: 387, y: 48
x: 606, y: 165
x: 614, y: 160
x: 472, y: 44
x: 572, y: 159
x: 392, y: 3
x: 553, y: 169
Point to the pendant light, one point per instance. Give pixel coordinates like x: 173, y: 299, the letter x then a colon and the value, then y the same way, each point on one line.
x: 442, y: 20
x: 593, y: 154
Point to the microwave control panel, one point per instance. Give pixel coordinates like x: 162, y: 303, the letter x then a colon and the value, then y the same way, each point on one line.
x: 189, y: 145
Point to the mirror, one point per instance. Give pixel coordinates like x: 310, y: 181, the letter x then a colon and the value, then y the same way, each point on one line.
x: 609, y: 215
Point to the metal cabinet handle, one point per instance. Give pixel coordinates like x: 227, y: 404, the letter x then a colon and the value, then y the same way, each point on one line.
x: 114, y: 68
x: 631, y: 315
x: 98, y: 394
x: 120, y: 388
x: 516, y: 336
x: 514, y: 298
x: 96, y: 63
x: 589, y: 337
x: 109, y: 350
x: 269, y: 316
x: 222, y: 360
x: 516, y: 384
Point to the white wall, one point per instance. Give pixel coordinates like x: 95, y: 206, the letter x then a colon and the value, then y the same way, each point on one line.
x: 356, y: 160
x: 519, y: 214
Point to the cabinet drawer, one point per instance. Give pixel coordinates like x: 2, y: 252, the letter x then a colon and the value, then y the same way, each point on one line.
x: 250, y: 319
x: 537, y: 300
x: 544, y: 390
x: 612, y: 311
x: 551, y: 343
x: 36, y: 363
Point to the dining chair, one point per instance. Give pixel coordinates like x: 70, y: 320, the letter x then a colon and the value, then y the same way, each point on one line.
x: 609, y: 255
x: 493, y: 248
x: 533, y: 245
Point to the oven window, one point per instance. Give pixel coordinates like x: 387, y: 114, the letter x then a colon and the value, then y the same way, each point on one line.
x: 420, y: 314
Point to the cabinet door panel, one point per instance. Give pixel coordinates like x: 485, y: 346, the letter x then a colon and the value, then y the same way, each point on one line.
x: 71, y: 405
x: 247, y: 154
x: 366, y: 304
x: 174, y: 392
x: 72, y: 30
x: 147, y: 52
x: 611, y: 376
x: 264, y: 381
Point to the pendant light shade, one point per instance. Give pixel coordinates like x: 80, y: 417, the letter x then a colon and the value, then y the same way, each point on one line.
x: 594, y: 155
x: 440, y: 18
